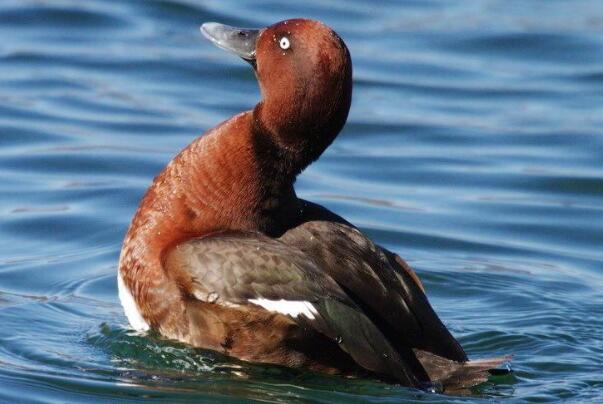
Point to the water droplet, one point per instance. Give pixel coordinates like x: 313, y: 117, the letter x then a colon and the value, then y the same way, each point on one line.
x: 385, y: 355
x: 339, y: 339
x: 433, y: 387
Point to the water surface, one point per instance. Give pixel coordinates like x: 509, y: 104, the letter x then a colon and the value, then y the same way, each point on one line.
x: 474, y: 149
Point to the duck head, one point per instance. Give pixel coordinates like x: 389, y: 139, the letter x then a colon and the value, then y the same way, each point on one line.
x: 304, y: 71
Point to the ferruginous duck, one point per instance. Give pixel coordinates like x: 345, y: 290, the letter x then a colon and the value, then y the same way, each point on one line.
x: 223, y: 255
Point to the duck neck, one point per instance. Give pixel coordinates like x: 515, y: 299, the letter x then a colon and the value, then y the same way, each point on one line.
x: 277, y: 168
x: 286, y: 148
x: 277, y: 161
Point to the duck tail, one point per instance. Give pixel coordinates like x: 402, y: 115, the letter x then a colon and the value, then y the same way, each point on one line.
x: 458, y: 377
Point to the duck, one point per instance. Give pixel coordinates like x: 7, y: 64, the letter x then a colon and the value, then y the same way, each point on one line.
x: 223, y: 255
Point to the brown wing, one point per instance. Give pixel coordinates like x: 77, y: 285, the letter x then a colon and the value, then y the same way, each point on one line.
x: 378, y: 281
x: 242, y: 269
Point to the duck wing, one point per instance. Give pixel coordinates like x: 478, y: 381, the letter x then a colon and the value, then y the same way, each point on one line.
x: 250, y: 269
x: 379, y: 282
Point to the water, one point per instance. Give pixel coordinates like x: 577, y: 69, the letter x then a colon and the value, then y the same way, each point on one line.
x: 474, y: 149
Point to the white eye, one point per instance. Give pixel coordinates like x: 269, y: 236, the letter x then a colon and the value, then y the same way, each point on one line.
x: 284, y: 43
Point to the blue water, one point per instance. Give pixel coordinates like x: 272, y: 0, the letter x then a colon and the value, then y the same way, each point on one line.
x: 474, y: 149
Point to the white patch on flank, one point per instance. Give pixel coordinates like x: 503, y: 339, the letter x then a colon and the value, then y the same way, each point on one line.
x: 291, y: 308
x: 130, y: 308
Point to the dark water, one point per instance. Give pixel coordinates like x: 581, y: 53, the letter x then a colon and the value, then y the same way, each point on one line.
x: 474, y: 149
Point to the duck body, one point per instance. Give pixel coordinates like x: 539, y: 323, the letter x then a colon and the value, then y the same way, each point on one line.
x: 223, y: 255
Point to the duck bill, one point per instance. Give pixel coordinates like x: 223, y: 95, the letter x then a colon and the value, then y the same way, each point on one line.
x: 240, y: 41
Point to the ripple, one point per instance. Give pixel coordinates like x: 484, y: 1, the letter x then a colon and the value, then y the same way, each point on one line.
x: 57, y: 18
x: 535, y: 47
